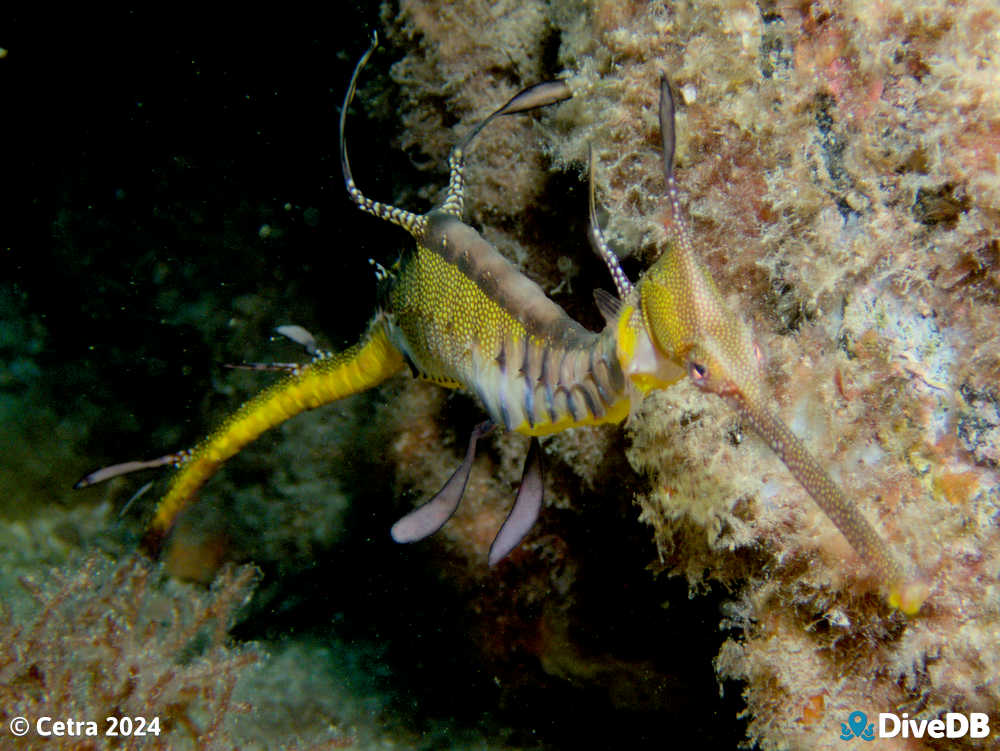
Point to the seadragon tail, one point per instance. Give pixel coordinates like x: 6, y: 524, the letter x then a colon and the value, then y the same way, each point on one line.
x: 319, y: 382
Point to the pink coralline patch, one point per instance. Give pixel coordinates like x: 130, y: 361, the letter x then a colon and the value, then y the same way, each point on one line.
x: 979, y: 148
x: 824, y: 52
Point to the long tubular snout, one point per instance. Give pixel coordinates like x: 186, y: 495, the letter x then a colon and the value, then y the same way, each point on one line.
x: 905, y: 592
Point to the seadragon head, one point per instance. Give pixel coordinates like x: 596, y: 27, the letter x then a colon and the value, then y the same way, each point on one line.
x: 689, y: 322
x: 690, y: 327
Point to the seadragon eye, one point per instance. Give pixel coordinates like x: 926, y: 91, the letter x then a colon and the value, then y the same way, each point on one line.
x: 697, y: 372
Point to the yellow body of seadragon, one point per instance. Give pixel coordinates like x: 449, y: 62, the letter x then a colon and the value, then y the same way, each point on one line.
x: 459, y: 314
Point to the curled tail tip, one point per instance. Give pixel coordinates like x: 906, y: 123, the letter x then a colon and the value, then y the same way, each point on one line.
x: 909, y: 595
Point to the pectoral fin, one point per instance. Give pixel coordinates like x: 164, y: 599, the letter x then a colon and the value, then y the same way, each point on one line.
x: 526, y: 507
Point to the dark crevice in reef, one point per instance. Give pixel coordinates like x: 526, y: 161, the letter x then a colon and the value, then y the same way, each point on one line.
x: 417, y: 637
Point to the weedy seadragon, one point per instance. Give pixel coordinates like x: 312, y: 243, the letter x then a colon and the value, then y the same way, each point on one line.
x: 457, y: 313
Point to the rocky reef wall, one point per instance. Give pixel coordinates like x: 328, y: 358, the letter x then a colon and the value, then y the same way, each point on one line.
x: 839, y: 166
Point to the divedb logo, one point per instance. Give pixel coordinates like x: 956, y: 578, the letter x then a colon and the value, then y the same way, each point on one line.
x: 891, y: 725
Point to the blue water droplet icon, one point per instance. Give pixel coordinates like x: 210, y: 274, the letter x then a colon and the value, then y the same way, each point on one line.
x: 857, y: 721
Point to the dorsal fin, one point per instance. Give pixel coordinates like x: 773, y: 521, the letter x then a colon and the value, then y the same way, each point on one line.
x: 609, y: 305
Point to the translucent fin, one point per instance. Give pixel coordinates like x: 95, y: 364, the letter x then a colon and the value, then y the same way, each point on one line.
x: 609, y: 305
x: 135, y: 497
x: 526, y: 507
